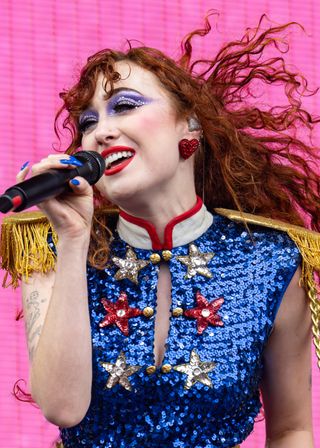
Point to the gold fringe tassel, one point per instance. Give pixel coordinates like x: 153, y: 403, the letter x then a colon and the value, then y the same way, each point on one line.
x: 24, y: 248
x: 309, y: 248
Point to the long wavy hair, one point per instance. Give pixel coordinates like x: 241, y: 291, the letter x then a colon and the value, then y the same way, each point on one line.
x: 252, y: 158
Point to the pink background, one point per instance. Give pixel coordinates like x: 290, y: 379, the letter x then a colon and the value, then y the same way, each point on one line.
x: 43, y: 43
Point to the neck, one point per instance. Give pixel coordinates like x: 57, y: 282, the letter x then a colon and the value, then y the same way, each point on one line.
x: 182, y: 229
x: 161, y: 211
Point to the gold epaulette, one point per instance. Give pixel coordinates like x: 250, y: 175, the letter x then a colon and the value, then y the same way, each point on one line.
x: 308, y: 243
x: 24, y: 246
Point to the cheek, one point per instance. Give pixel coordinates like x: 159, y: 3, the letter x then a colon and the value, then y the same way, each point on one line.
x: 148, y: 125
x: 154, y: 120
x: 87, y: 142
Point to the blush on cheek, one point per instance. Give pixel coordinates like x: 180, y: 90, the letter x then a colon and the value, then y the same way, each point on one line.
x: 155, y: 119
x: 150, y: 123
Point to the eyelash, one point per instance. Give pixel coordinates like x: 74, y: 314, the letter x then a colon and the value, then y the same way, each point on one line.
x: 87, y: 122
x: 124, y: 104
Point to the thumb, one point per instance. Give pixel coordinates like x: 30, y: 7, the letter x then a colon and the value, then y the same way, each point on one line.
x: 79, y: 185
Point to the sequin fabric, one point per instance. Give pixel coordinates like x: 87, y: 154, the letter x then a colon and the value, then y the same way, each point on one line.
x: 218, y: 408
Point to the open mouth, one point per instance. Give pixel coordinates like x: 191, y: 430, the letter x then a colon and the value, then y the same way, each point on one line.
x: 117, y: 158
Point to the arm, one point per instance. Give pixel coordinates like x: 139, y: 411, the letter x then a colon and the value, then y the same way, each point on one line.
x: 58, y: 332
x: 286, y: 385
x: 56, y: 310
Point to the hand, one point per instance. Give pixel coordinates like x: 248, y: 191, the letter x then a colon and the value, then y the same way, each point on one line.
x: 69, y: 213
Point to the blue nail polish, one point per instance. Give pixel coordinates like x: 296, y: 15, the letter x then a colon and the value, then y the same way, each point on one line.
x: 71, y: 162
x: 24, y: 165
x: 74, y: 159
x: 75, y: 182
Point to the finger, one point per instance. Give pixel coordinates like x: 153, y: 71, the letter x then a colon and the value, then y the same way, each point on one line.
x: 80, y: 186
x: 24, y: 170
x: 55, y: 161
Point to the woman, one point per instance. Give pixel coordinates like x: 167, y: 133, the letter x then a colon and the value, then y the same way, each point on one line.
x: 182, y: 315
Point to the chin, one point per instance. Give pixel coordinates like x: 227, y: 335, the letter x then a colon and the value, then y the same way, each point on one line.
x: 131, y: 198
x: 122, y: 196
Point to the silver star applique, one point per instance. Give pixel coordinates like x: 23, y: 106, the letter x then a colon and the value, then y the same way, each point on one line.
x: 196, y: 370
x: 129, y: 266
x: 196, y: 262
x: 119, y: 372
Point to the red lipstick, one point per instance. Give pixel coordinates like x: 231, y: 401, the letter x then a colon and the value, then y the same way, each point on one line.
x: 120, y: 166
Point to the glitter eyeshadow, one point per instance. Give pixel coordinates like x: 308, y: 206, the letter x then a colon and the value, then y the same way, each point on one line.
x: 87, y: 117
x: 126, y: 99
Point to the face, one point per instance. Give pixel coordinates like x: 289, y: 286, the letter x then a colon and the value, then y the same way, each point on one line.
x: 137, y: 132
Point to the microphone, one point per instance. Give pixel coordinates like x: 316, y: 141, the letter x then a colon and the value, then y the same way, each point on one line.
x: 52, y: 183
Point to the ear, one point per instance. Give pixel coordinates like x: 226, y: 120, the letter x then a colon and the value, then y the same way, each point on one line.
x: 193, y: 128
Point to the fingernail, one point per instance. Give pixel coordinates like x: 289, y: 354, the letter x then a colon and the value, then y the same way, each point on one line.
x: 71, y: 162
x: 24, y: 165
x: 74, y: 159
x: 75, y: 182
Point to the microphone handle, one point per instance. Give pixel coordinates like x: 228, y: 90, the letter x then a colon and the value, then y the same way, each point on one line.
x: 43, y: 186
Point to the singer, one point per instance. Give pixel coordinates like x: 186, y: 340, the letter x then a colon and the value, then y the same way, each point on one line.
x: 160, y: 302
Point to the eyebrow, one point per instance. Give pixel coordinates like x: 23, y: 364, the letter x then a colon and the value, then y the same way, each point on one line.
x: 118, y: 90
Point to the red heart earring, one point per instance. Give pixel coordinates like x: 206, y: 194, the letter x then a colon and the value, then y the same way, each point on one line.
x: 188, y: 147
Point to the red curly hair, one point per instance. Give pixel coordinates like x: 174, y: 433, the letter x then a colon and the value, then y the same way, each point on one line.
x: 251, y: 158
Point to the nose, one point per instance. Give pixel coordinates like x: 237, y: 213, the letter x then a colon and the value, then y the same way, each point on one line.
x: 106, y: 132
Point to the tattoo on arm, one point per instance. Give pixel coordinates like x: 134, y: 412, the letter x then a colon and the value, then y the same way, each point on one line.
x: 33, y: 328
x: 310, y: 381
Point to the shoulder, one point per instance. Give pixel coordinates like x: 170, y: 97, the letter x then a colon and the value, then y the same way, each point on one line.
x: 267, y: 244
x: 28, y: 240
x: 262, y: 221
x: 307, y: 241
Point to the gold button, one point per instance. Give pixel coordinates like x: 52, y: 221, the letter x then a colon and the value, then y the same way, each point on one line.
x: 177, y: 312
x: 166, y: 368
x: 148, y: 311
x: 155, y: 258
x: 151, y: 369
x: 166, y: 255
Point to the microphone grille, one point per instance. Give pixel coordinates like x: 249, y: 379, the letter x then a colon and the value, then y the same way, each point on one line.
x: 96, y: 163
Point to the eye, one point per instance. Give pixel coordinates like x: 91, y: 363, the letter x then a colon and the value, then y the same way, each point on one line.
x: 87, y: 121
x: 123, y: 106
x: 125, y: 103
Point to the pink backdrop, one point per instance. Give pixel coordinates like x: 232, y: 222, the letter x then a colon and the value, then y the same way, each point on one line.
x: 42, y: 45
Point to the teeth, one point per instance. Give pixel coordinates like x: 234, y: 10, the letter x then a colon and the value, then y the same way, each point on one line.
x: 116, y: 156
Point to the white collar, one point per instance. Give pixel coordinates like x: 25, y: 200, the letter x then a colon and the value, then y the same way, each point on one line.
x: 182, y: 229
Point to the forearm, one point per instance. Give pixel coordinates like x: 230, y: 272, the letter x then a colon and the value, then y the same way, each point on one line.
x: 292, y: 439
x: 61, y: 366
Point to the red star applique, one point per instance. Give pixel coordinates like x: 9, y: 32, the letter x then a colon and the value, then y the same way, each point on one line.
x: 205, y: 313
x: 119, y: 313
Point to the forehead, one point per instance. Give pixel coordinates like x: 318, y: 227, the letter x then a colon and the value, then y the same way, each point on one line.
x: 132, y: 76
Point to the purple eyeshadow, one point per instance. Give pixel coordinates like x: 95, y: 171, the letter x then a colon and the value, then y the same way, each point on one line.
x: 88, y: 115
x: 125, y: 99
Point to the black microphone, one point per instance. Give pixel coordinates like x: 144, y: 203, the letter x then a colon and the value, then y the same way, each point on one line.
x: 52, y: 183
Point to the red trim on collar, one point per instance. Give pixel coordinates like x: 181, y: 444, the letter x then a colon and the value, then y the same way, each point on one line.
x: 168, y: 231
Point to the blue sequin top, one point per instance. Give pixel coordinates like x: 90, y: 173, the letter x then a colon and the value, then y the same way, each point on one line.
x: 227, y: 286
